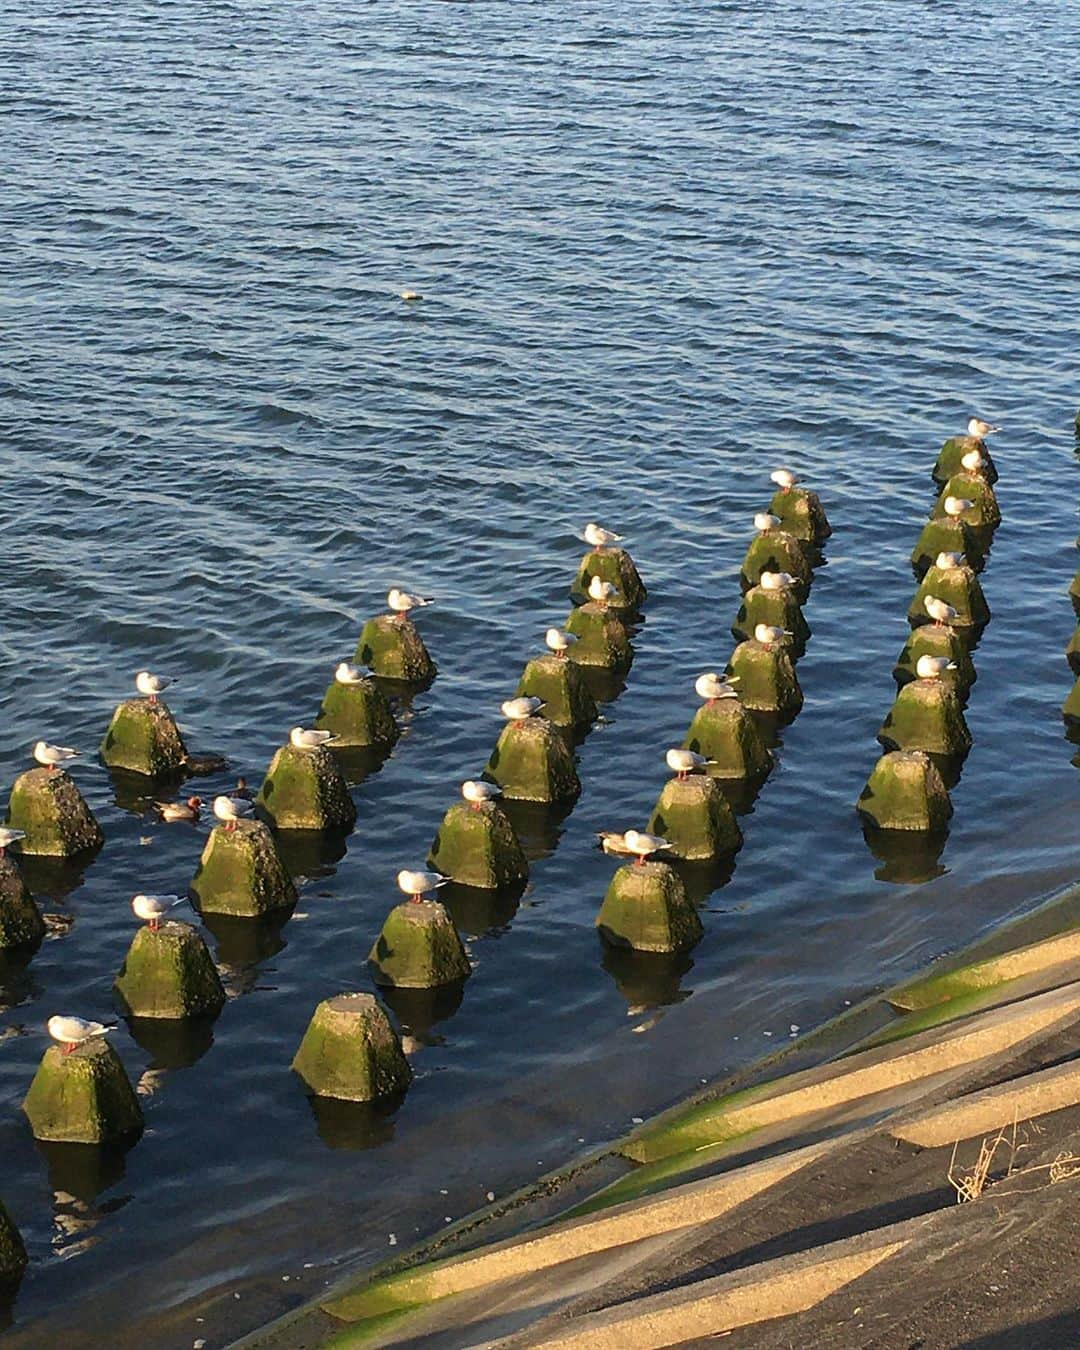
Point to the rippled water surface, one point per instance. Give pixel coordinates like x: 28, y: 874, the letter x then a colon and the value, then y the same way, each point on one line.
x: 663, y: 249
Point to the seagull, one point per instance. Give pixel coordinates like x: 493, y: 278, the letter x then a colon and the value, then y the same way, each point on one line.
x: 402, y: 601
x: 603, y: 592
x: 711, y: 686
x: 153, y: 908
x: 310, y: 738
x: 8, y: 836
x: 613, y: 842
x: 414, y: 884
x: 410, y: 295
x: 559, y: 642
x: 775, y: 581
x: 71, y: 1032
x: 956, y: 506
x: 643, y: 845
x: 933, y: 667
x: 939, y: 611
x: 599, y: 537
x: 52, y: 755
x: 769, y: 633
x: 152, y: 685
x: 766, y: 521
x: 232, y: 809
x: 347, y: 673
x: 521, y: 708
x: 977, y: 427
x: 684, y: 762
x: 478, y: 792
x: 783, y: 478
x: 972, y: 461
x: 174, y: 811
x: 947, y: 561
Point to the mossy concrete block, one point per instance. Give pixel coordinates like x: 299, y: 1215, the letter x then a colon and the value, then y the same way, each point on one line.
x: 1072, y: 652
x: 926, y: 716
x: 350, y: 1051
x: 937, y: 639
x: 767, y: 679
x: 780, y: 609
x: 418, y: 948
x: 358, y: 714
x: 984, y: 512
x: 957, y: 586
x: 12, y: 1252
x: 728, y: 733
x: 531, y: 761
x: 21, y: 924
x: 777, y: 551
x: 602, y: 638
x: 954, y: 450
x: 50, y: 808
x: 143, y: 738
x: 946, y: 534
x: 646, y: 907
x: 613, y: 565
x: 694, y: 816
x: 84, y: 1097
x: 905, y: 792
x: 168, y: 973
x: 1074, y: 592
x: 240, y: 873
x: 477, y: 846
x: 560, y: 683
x: 801, y: 514
x: 305, y: 790
x: 394, y: 648
x: 1070, y: 709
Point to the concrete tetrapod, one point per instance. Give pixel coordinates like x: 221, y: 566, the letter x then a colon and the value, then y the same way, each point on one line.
x: 50, y: 808
x: 12, y: 1253
x: 561, y: 685
x: 937, y: 639
x: 21, y: 924
x: 926, y: 716
x: 241, y: 873
x: 954, y: 450
x: 801, y: 514
x: 167, y: 973
x: 418, y: 948
x: 777, y: 551
x: 726, y: 732
x: 1070, y: 709
x: 393, y: 648
x: 305, y: 790
x: 358, y: 714
x: 984, y: 512
x: 957, y: 586
x: 693, y: 815
x: 351, y: 1052
x: 646, y: 907
x: 532, y: 762
x: 615, y: 566
x: 779, y: 609
x: 767, y: 679
x: 1072, y: 652
x: 905, y: 792
x: 84, y: 1097
x: 1074, y: 592
x: 602, y: 638
x: 477, y: 846
x: 947, y: 534
x: 143, y: 737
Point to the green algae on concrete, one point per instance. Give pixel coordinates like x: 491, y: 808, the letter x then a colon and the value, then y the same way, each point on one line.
x: 984, y: 512
x: 1074, y: 592
x: 143, y: 738
x: 693, y: 814
x: 937, y: 639
x: 418, y: 948
x: 51, y: 809
x: 168, y: 973
x: 946, y: 534
x: 477, y: 846
x: 240, y: 873
x: 12, y: 1252
x: 21, y: 924
x: 767, y: 679
x: 777, y: 551
x: 393, y: 647
x: 954, y: 450
x: 801, y: 514
x: 602, y: 638
x: 350, y: 1051
x: 780, y: 609
x: 957, y: 586
x: 84, y: 1097
x: 613, y: 565
x: 1070, y: 709
x: 926, y: 716
x: 531, y: 761
x: 305, y: 790
x: 1072, y: 652
x: 561, y: 685
x: 727, y: 733
x: 646, y: 907
x: 905, y: 792
x: 358, y: 714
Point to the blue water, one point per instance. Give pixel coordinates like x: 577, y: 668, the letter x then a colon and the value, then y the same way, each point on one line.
x: 663, y: 250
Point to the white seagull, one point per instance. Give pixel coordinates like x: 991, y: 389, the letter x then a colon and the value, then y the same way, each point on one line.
x: 712, y: 686
x: 783, y: 478
x: 684, y: 762
x: 939, y: 610
x: 602, y: 591
x: 769, y: 633
x: 766, y: 521
x: 414, y: 884
x: 153, y: 908
x: 933, y: 667
x: 559, y: 642
x: 152, y: 685
x: 400, y: 602
x: 599, y: 537
x: 977, y: 427
x: 613, y: 842
x: 972, y: 461
x: 518, y: 709
x: 8, y: 836
x: 52, y: 755
x: 956, y: 506
x: 231, y: 809
x: 347, y: 673
x: 945, y: 562
x: 71, y: 1032
x: 310, y: 738
x: 775, y: 581
x: 478, y: 792
x: 643, y: 845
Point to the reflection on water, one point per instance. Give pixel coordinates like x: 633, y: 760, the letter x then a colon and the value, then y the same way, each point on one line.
x: 55, y: 878
x: 173, y: 1043
x: 480, y: 913
x: 538, y: 825
x: 604, y: 685
x: 704, y: 875
x: 906, y: 856
x: 78, y: 1175
x: 355, y: 1125
x: 309, y: 854
x: 742, y: 793
x: 647, y: 979
x: 242, y: 944
x: 419, y: 1010
x: 360, y: 762
x: 17, y: 982
x: 136, y: 793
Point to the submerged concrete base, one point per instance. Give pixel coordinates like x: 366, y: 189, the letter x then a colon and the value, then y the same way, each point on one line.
x: 905, y: 792
x: 694, y: 816
x: 801, y: 514
x: 727, y: 732
x: 52, y: 811
x: 779, y: 608
x: 358, y: 714
x: 777, y: 551
x: 933, y: 639
x: 767, y: 679
x: 143, y: 738
x: 350, y: 1051
x: 984, y: 512
x: 169, y: 974
x: 393, y: 648
x: 305, y: 790
x: 613, y: 565
x: 954, y: 450
x: 12, y: 1252
x: 561, y: 684
x: 531, y: 761
x: 21, y: 924
x: 418, y: 948
x: 602, y: 639
x: 477, y: 846
x: 926, y: 716
x: 957, y: 586
x: 946, y: 534
x: 84, y: 1097
x: 646, y: 908
x: 241, y: 873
